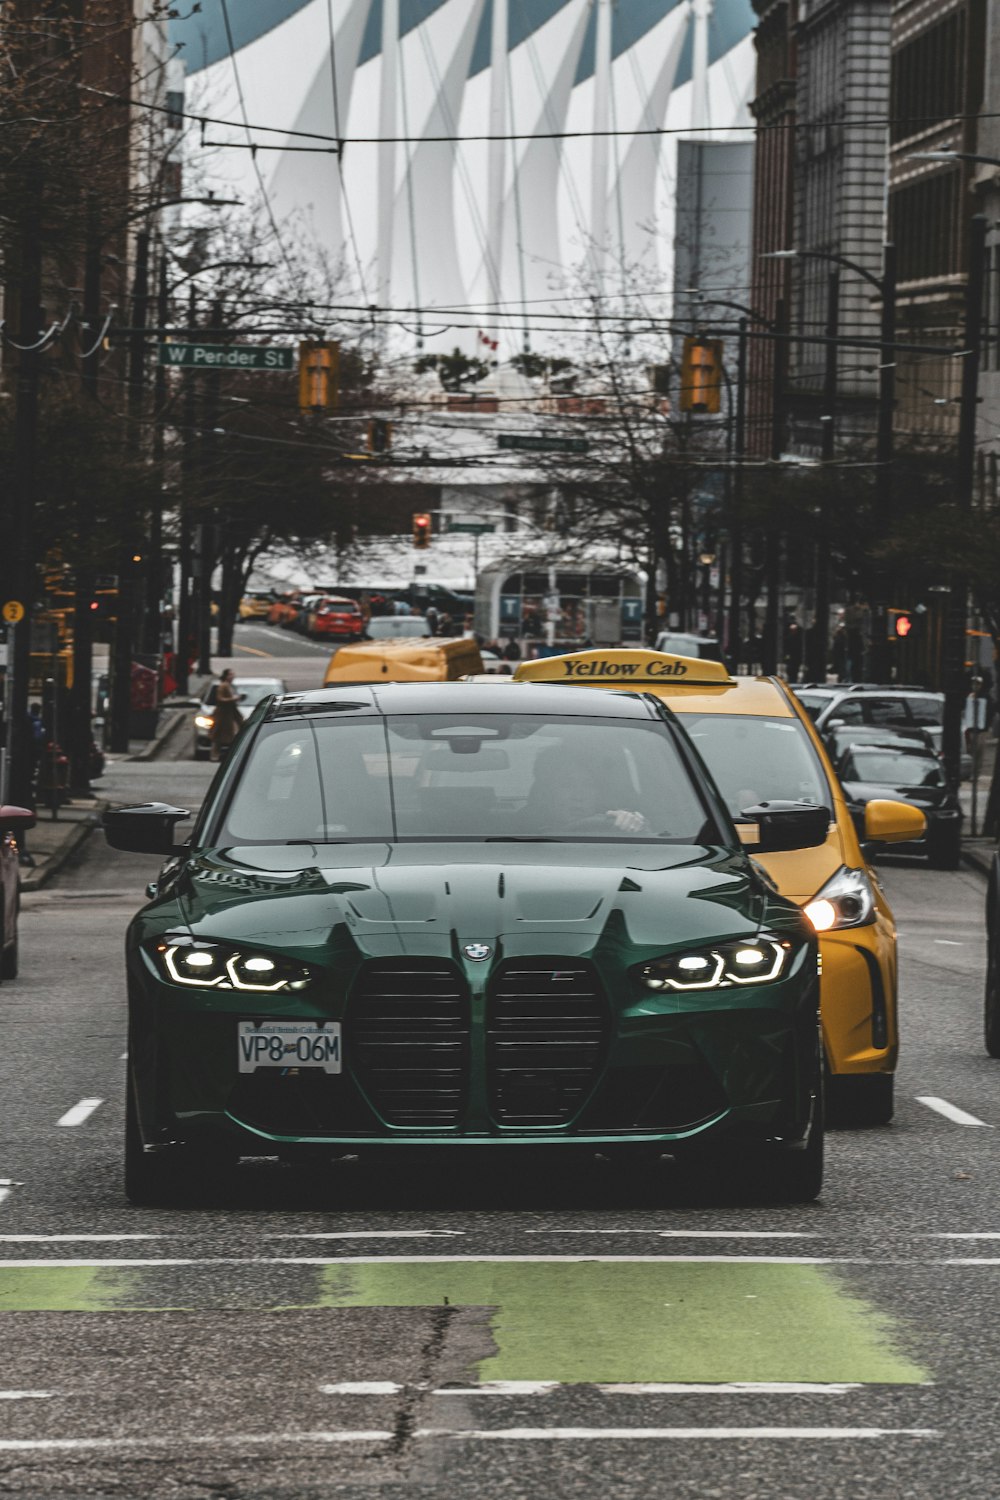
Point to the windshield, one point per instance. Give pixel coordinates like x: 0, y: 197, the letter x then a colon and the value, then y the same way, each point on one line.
x: 893, y: 768
x: 436, y: 776
x: 813, y: 703
x: 252, y: 692
x: 755, y: 759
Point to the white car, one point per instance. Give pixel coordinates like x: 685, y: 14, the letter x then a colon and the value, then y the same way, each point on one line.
x: 397, y: 628
x: 250, y: 689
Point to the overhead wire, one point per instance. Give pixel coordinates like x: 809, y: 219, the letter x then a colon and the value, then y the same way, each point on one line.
x: 340, y: 157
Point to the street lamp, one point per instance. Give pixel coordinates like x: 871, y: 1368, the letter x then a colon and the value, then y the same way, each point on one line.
x: 989, y: 161
x: 885, y: 285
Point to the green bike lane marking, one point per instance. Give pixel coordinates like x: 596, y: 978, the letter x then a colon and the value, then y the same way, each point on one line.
x: 591, y: 1321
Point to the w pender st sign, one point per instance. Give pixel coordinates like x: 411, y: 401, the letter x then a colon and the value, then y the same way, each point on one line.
x: 228, y: 356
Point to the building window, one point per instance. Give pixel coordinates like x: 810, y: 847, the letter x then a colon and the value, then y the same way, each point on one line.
x: 928, y: 78
x: 927, y: 227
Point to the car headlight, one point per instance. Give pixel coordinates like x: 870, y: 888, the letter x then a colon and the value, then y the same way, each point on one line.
x: 847, y: 900
x: 752, y: 961
x: 222, y: 966
x: 203, y: 721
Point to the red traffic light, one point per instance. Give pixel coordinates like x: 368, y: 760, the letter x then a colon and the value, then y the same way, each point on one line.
x: 421, y: 529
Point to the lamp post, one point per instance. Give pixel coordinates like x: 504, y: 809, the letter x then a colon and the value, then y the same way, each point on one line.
x: 885, y: 286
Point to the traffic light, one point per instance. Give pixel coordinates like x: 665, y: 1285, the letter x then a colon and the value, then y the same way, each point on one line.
x: 319, y: 375
x: 901, y: 624
x: 379, y: 435
x: 701, y: 376
x: 421, y: 530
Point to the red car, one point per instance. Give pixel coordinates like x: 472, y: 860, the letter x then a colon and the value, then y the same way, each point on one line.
x: 13, y: 820
x: 340, y: 618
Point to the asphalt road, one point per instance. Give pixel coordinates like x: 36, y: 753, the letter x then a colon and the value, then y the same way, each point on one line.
x: 360, y: 1330
x: 264, y: 649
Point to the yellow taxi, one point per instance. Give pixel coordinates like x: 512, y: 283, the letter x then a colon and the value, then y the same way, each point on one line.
x: 759, y: 744
x: 433, y: 658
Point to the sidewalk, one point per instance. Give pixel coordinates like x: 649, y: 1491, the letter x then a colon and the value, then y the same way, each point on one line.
x: 53, y: 841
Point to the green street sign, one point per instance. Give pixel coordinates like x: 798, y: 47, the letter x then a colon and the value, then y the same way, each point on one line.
x: 541, y: 442
x: 472, y: 528
x: 228, y: 356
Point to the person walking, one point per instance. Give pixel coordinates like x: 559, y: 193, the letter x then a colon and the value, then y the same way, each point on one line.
x: 227, y: 721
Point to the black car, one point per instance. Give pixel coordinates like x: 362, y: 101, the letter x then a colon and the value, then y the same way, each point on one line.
x: 905, y: 773
x: 422, y: 915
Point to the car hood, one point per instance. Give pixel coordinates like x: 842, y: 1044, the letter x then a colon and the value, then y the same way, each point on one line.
x: 924, y: 797
x: 433, y: 899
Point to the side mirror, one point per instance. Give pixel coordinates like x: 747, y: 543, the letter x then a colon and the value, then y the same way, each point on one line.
x: 893, y: 822
x: 787, y: 825
x: 834, y: 724
x: 147, y: 829
x: 16, y: 819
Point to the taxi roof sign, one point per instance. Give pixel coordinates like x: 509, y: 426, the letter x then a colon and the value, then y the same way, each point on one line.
x: 619, y: 667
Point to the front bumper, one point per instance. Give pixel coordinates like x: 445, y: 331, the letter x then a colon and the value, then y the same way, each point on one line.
x: 669, y: 1071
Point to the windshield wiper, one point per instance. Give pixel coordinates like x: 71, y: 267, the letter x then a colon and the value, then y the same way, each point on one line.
x: 523, y: 838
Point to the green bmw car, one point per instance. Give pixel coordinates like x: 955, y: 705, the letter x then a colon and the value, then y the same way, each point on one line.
x: 424, y: 916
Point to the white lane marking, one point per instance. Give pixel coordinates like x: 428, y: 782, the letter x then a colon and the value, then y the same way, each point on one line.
x: 187, y: 1440
x: 948, y: 943
x: 373, y: 1234
x: 502, y: 1388
x: 361, y: 1388
x: 694, y: 1234
x: 948, y: 1235
x: 420, y: 1260
x: 733, y: 1388
x: 51, y: 1239
x: 26, y: 1395
x: 972, y: 1261
x: 79, y: 1112
x: 684, y: 1434
x: 951, y: 1111
x: 124, y: 1057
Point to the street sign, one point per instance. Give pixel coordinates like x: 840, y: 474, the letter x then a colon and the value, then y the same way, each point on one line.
x: 228, y: 356
x: 541, y: 442
x: 13, y: 611
x: 472, y: 528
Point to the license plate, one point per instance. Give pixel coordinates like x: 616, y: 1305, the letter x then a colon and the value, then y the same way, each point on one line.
x: 288, y: 1044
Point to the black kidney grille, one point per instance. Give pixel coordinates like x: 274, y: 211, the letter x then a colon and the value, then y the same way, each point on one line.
x: 547, y: 1033
x: 407, y: 1041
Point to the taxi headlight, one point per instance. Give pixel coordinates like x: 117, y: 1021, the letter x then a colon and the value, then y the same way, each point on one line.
x: 847, y: 900
x: 221, y: 966
x: 759, y: 960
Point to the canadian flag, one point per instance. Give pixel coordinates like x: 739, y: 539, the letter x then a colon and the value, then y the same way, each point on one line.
x: 484, y: 338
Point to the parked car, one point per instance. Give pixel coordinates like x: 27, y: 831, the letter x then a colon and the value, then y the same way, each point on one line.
x: 897, y: 708
x: 256, y: 606
x: 838, y: 741
x: 397, y: 628
x: 13, y: 820
x: 250, y: 689
x: 905, y: 773
x: 284, y: 608
x: 336, y: 619
x: 605, y: 967
x: 681, y: 643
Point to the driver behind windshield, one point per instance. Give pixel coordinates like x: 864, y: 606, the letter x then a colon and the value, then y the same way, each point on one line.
x: 569, y: 796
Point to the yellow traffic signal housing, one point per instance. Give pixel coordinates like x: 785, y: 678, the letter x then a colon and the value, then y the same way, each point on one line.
x: 379, y: 435
x: 421, y: 530
x: 701, y: 376
x: 319, y: 375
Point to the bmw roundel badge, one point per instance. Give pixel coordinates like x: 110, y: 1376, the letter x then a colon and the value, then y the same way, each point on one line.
x: 477, y: 952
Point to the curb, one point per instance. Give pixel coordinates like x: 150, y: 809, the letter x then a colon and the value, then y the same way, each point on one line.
x: 76, y: 835
x: 979, y: 860
x: 152, y: 749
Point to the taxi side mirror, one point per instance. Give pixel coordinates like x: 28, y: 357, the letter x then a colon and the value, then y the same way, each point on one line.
x: 889, y: 822
x: 786, y: 825
x: 146, y: 829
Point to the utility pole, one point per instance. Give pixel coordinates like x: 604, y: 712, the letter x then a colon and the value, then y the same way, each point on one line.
x: 884, y: 443
x: 821, y: 627
x: 772, y: 566
x: 205, y: 533
x: 18, y: 571
x: 152, y: 642
x: 185, y: 604
x: 955, y: 623
x: 80, y: 723
x: 128, y: 574
x: 734, y: 632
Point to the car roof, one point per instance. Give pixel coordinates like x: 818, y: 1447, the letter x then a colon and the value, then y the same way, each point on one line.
x: 460, y: 697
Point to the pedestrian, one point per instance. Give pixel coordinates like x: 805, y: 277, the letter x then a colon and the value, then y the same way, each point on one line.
x: 432, y: 619
x: 512, y: 651
x: 227, y: 721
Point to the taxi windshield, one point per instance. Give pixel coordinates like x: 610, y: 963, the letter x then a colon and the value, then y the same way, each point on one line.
x: 756, y: 759
x: 889, y: 767
x: 477, y: 777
